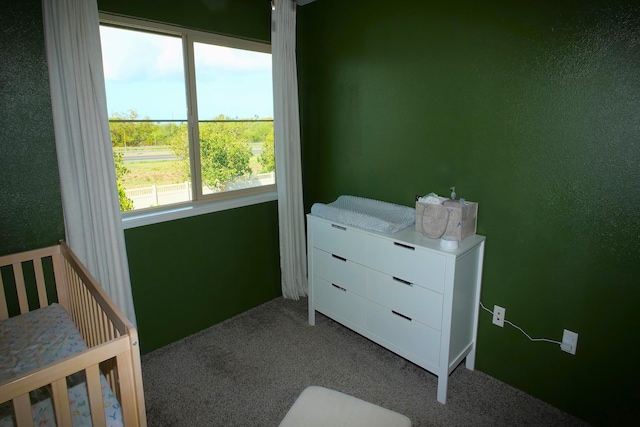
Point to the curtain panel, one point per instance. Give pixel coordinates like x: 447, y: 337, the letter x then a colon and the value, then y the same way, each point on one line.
x: 293, y: 256
x: 90, y: 203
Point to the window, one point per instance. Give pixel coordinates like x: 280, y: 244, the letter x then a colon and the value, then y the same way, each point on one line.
x: 190, y: 115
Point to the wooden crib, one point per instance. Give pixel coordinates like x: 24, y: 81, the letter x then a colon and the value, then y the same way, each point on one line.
x: 111, y: 340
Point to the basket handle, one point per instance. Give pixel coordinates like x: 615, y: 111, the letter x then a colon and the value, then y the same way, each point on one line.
x: 444, y: 229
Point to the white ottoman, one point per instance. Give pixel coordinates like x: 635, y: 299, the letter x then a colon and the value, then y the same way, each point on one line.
x: 322, y: 407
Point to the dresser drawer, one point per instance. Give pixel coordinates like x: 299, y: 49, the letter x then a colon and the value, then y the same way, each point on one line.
x: 410, y: 335
x: 407, y: 262
x: 340, y: 271
x: 421, y: 304
x: 340, y: 240
x: 340, y: 302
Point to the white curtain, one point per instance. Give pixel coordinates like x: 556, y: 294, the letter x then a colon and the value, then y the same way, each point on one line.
x: 85, y: 159
x: 293, y: 259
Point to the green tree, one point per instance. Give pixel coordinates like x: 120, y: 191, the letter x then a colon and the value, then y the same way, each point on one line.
x: 132, y: 134
x: 175, y: 135
x: 225, y: 153
x: 258, y: 131
x: 126, y: 204
x: 268, y: 156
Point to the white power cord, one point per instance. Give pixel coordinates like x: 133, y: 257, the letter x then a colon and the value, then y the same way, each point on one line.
x: 521, y: 330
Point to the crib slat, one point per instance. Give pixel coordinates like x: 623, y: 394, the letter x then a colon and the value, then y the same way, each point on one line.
x: 61, y: 402
x: 89, y: 308
x: 72, y: 295
x: 95, y: 396
x: 42, y: 290
x: 109, y: 370
x: 4, y: 313
x: 103, y: 326
x: 94, y: 322
x: 62, y: 285
x: 22, y: 409
x: 84, y: 311
x: 20, y: 287
x: 127, y: 391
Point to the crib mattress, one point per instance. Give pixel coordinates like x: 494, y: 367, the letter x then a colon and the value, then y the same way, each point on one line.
x: 366, y: 213
x: 36, y: 339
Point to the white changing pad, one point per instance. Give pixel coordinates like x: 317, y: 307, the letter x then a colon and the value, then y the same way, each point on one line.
x: 366, y: 213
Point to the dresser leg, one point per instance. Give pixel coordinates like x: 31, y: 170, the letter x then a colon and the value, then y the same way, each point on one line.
x: 312, y: 316
x: 442, y: 388
x: 470, y: 363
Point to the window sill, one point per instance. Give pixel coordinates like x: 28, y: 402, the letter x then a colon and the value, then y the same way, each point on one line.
x: 171, y: 214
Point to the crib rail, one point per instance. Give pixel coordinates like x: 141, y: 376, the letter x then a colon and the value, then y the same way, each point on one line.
x: 55, y: 375
x: 97, y: 317
x: 17, y: 264
x: 111, y: 338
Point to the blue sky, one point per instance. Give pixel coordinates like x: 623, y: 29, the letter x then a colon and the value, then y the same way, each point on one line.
x: 145, y: 72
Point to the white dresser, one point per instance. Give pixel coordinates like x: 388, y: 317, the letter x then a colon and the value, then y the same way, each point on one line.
x: 400, y: 290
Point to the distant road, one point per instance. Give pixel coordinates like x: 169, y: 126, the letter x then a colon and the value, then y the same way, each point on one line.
x: 148, y: 156
x: 157, y: 155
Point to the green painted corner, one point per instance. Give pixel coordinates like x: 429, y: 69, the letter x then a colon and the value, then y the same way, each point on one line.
x: 192, y: 273
x: 30, y: 201
x: 530, y: 109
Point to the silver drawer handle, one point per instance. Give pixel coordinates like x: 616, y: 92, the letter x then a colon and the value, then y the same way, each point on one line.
x: 339, y: 227
x: 338, y: 287
x: 401, y: 315
x: 404, y: 282
x: 404, y: 246
x: 339, y: 257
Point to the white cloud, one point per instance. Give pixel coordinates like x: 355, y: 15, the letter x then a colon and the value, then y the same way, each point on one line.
x: 230, y: 59
x: 133, y: 55
x: 145, y: 72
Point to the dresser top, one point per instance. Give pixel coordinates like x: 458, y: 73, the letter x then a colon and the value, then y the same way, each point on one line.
x: 412, y: 237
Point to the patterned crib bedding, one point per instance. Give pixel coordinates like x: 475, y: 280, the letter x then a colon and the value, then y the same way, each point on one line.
x: 36, y: 339
x: 365, y: 213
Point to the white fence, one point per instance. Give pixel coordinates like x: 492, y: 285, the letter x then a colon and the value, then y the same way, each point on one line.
x: 158, y: 195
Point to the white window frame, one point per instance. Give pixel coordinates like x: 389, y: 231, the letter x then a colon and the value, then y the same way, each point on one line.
x: 201, y: 204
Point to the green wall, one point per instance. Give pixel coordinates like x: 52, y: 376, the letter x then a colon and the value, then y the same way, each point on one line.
x: 531, y: 108
x: 248, y: 19
x: 30, y: 205
x: 189, y: 274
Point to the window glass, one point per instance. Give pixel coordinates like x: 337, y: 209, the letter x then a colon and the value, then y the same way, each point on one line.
x: 161, y: 157
x: 235, y: 106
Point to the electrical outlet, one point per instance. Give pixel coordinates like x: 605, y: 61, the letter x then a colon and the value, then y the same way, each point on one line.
x: 498, y: 315
x: 569, y: 341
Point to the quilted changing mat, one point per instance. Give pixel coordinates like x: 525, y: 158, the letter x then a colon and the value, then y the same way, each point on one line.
x: 369, y: 214
x: 36, y: 339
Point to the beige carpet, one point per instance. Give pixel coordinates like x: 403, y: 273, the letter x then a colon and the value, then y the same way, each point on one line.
x: 249, y: 370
